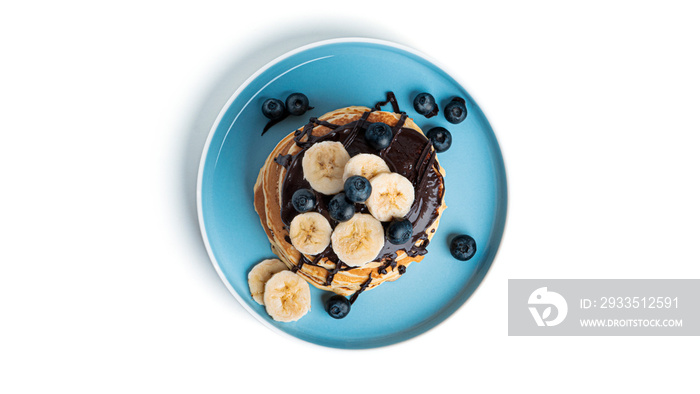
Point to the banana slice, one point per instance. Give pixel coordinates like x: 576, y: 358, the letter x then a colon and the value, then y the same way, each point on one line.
x: 260, y: 274
x: 359, y: 240
x: 323, y: 166
x: 366, y: 165
x: 287, y: 297
x: 392, y: 196
x: 310, y: 233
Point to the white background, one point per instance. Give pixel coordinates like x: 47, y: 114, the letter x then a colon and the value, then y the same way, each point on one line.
x: 105, y: 285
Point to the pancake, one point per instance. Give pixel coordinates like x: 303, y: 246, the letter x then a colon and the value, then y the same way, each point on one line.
x: 410, y: 154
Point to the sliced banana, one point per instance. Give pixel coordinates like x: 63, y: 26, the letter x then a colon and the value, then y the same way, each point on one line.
x: 260, y: 274
x: 287, y: 297
x: 366, y: 165
x: 392, y: 196
x: 310, y: 233
x: 359, y: 240
x: 323, y: 166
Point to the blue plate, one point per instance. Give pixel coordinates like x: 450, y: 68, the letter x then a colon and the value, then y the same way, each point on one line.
x: 334, y: 74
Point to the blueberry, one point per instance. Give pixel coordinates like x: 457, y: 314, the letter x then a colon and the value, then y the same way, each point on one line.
x: 379, y: 135
x: 357, y: 188
x: 424, y: 103
x: 399, y: 231
x: 303, y: 200
x: 297, y: 103
x: 463, y: 247
x: 340, y: 208
x: 440, y: 137
x: 456, y: 111
x: 338, y: 306
x: 273, y: 108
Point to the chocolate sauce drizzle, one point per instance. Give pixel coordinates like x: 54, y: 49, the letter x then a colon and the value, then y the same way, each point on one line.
x: 433, y: 112
x: 307, y: 130
x: 338, y: 266
x: 390, y: 263
x: 390, y: 98
x: 303, y: 260
x: 356, y: 294
x: 275, y: 121
x: 410, y: 154
x: 353, y: 134
x: 284, y: 160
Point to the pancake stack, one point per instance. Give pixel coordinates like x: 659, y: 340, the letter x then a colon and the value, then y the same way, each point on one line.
x: 410, y: 154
